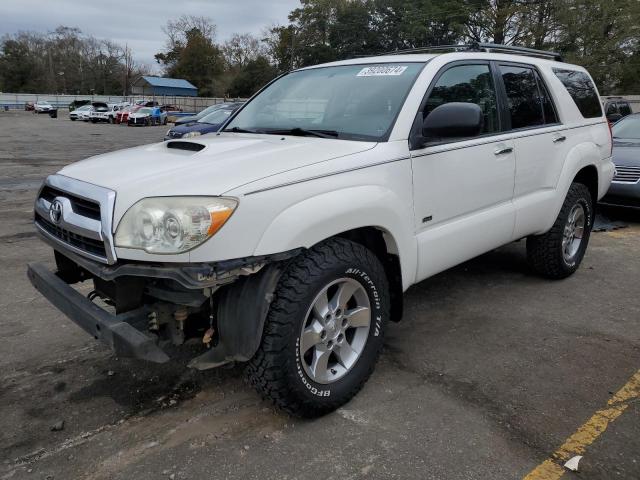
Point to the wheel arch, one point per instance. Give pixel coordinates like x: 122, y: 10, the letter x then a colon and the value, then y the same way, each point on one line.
x: 370, y: 215
x: 384, y: 247
x: 588, y: 176
x: 581, y: 165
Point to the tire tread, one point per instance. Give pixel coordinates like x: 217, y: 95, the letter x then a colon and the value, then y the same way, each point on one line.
x: 267, y: 370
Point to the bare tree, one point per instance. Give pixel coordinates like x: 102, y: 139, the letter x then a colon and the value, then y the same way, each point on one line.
x: 176, y: 30
x: 240, y: 49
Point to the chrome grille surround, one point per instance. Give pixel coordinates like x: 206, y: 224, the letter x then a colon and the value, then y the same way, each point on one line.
x: 71, y: 221
x: 625, y: 174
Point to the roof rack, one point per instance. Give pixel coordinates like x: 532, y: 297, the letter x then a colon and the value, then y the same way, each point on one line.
x: 482, y: 47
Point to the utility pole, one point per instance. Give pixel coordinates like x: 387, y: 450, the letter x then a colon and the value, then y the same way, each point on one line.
x: 293, y: 36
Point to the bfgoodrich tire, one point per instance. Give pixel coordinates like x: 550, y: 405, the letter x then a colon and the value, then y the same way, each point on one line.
x: 558, y: 253
x: 324, y: 330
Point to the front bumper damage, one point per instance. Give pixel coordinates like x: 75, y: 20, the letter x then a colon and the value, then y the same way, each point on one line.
x: 237, y: 293
x: 114, y: 330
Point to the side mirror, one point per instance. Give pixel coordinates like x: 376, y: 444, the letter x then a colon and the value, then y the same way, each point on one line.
x: 455, y: 119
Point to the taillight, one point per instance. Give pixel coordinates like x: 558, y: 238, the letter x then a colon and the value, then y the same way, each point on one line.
x: 610, y: 138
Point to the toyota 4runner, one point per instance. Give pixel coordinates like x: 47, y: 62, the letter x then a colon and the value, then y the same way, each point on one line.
x: 287, y: 240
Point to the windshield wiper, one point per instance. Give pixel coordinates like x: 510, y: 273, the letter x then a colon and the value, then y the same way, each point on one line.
x: 304, y: 132
x: 240, y: 130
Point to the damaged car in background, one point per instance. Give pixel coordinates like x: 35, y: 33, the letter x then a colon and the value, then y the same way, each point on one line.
x: 286, y: 240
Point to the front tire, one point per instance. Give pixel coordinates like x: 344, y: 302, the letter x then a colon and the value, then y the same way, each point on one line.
x: 558, y: 253
x: 324, y: 330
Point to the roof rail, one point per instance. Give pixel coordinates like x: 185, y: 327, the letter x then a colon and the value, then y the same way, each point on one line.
x: 482, y: 47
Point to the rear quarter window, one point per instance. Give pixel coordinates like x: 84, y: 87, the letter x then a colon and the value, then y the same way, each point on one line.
x: 625, y: 109
x: 582, y: 91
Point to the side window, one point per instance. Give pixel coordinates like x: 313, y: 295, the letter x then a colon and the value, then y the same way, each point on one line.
x: 625, y: 109
x: 471, y: 84
x: 523, y: 96
x: 582, y: 90
x: 550, y: 115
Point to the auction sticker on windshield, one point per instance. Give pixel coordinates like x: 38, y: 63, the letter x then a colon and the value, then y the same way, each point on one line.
x: 382, y: 70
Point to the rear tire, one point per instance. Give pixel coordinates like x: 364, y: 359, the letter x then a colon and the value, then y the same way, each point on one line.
x: 558, y: 253
x: 316, y: 353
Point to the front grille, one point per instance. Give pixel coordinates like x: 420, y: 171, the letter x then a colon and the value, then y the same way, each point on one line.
x: 95, y: 247
x: 627, y: 174
x: 81, y: 206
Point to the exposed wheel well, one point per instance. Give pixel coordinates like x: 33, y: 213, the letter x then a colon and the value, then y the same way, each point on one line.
x: 374, y: 239
x: 588, y: 176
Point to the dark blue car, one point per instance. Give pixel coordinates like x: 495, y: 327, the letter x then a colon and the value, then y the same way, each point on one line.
x: 207, y: 124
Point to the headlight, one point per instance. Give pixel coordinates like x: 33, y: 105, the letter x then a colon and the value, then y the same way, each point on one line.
x: 173, y: 224
x: 191, y: 134
x: 168, y: 132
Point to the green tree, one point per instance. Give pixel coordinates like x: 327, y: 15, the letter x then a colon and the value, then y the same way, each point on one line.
x: 253, y: 76
x: 603, y: 37
x: 192, y: 54
x: 17, y: 66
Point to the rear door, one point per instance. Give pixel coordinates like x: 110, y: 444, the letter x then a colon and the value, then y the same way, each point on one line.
x: 541, y: 145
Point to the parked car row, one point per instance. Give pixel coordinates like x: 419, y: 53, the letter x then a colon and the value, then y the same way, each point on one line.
x: 143, y: 113
x: 205, y: 122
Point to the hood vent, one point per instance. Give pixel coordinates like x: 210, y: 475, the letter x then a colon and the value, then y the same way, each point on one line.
x: 189, y: 146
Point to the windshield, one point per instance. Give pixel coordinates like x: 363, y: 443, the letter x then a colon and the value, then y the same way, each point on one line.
x: 217, y: 117
x: 84, y: 107
x: 144, y: 110
x: 209, y: 110
x: 353, y: 102
x: 628, y: 127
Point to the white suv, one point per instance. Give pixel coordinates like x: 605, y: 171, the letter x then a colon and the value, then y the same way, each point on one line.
x: 287, y: 240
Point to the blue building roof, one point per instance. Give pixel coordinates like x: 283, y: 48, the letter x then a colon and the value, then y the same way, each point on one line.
x: 168, y: 82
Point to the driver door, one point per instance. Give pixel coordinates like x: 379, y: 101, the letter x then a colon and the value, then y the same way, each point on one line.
x: 463, y: 187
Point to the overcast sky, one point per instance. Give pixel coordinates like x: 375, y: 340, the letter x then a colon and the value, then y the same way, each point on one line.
x: 138, y: 22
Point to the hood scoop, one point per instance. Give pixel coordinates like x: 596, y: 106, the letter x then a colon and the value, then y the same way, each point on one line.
x: 188, y: 146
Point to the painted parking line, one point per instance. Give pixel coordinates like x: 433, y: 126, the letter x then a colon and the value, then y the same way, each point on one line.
x: 552, y: 468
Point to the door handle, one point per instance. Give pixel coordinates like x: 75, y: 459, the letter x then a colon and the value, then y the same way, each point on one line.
x: 559, y: 139
x: 502, y: 151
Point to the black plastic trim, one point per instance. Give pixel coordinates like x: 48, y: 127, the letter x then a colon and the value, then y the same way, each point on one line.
x: 113, y: 330
x: 189, y: 275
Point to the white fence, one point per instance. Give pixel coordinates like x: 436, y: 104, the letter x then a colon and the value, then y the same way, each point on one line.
x: 17, y: 101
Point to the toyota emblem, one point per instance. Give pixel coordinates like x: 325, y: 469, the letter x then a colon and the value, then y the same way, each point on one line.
x: 55, y: 211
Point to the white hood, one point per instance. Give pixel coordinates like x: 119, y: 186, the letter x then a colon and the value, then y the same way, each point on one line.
x: 227, y: 161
